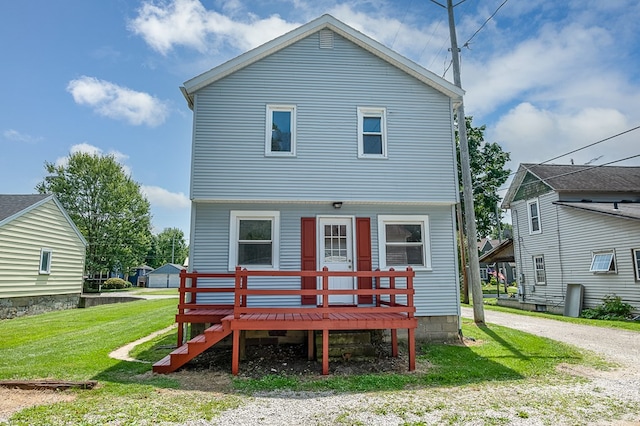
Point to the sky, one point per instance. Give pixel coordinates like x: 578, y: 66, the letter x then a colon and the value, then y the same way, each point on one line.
x: 545, y: 77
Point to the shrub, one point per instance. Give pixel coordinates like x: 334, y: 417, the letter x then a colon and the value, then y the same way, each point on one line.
x: 612, y: 308
x: 115, y: 283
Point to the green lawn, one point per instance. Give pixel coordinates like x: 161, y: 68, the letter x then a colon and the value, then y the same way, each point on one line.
x: 75, y: 344
x: 625, y: 325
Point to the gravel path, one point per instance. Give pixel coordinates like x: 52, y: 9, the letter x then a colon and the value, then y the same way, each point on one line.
x: 603, y: 398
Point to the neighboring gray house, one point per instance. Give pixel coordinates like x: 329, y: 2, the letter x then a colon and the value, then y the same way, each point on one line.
x: 576, y: 225
x: 42, y: 256
x: 325, y: 148
x: 167, y: 275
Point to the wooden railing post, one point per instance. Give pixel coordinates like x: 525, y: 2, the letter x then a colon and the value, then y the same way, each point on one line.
x: 410, y: 288
x: 237, y: 298
x: 325, y: 291
x: 392, y: 286
x: 376, y: 285
x: 181, y: 299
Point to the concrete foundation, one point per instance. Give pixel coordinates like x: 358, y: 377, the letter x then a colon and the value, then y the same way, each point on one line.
x: 14, y: 307
x: 444, y: 328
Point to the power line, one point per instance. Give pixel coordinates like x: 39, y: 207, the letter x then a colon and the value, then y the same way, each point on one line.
x: 592, y: 144
x: 401, y: 23
x: 466, y: 44
x: 580, y: 149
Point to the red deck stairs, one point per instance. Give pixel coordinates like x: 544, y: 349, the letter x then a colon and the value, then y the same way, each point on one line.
x: 192, y: 348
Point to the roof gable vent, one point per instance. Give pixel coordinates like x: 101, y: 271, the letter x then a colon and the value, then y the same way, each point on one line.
x: 326, y: 39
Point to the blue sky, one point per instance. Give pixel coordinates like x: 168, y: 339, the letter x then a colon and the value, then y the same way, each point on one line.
x: 545, y: 76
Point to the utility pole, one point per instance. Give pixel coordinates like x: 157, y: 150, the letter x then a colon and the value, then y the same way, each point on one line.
x: 467, y: 185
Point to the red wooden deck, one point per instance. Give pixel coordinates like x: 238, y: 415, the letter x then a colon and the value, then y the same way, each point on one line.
x: 392, y: 309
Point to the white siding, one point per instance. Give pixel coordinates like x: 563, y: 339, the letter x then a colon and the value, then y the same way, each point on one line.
x: 21, y: 241
x: 436, y: 290
x: 327, y: 86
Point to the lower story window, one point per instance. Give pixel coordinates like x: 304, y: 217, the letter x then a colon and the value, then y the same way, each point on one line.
x: 254, y: 239
x: 45, y: 261
x: 603, y: 261
x: 484, y: 276
x: 404, y: 241
x: 538, y: 266
x: 636, y: 263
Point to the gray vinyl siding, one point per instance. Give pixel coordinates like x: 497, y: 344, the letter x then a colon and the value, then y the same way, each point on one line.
x: 327, y: 86
x: 568, y: 238
x: 546, y: 243
x: 436, y: 290
x: 584, y: 232
x: 21, y: 241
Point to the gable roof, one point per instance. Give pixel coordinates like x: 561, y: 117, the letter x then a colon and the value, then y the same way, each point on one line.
x: 574, y: 178
x: 168, y: 268
x: 13, y: 204
x: 16, y: 205
x: 324, y: 22
x: 501, y: 253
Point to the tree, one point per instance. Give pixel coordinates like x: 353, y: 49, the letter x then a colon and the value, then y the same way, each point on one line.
x: 487, y: 162
x: 107, y: 207
x: 170, y: 247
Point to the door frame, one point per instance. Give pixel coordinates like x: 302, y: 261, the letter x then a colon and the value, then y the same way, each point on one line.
x: 320, y: 238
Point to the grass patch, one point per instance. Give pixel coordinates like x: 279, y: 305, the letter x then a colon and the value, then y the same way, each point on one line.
x: 499, y: 354
x: 621, y: 324
x: 74, y: 345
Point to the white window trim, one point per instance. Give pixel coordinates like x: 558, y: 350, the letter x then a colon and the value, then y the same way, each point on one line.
x: 535, y: 270
x: 484, y: 274
x: 635, y: 256
x: 48, y: 269
x: 611, y: 261
x: 235, y: 217
x: 537, y: 202
x: 267, y: 143
x: 422, y: 220
x: 372, y: 112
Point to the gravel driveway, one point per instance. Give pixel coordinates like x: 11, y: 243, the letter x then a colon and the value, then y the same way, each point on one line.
x: 594, y: 397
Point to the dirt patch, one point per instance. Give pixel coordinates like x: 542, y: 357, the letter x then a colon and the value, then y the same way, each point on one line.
x: 289, y: 360
x: 14, y: 400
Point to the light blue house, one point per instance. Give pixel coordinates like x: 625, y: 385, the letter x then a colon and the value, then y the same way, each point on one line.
x: 325, y: 148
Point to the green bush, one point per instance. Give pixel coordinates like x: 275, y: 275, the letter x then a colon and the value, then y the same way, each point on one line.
x: 612, y: 308
x: 115, y: 284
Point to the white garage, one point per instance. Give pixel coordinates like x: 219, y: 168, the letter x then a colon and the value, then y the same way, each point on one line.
x: 166, y: 276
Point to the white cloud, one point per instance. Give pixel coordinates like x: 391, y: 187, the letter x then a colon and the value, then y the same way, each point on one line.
x: 163, y: 198
x: 188, y: 23
x: 534, y: 135
x: 117, y: 102
x: 17, y: 136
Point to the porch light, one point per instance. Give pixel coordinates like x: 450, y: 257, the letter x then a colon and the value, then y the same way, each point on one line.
x: 337, y: 204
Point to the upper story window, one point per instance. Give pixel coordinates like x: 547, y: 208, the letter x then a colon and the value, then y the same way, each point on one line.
x: 539, y: 270
x: 281, y: 131
x: 533, y: 211
x: 372, y: 133
x: 45, y: 261
x: 254, y: 239
x: 404, y: 241
x: 603, y: 261
x: 636, y: 262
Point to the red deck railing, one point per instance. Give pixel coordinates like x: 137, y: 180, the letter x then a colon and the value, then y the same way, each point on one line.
x: 392, y: 294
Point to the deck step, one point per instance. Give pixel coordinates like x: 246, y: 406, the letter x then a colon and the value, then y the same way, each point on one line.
x: 194, y: 347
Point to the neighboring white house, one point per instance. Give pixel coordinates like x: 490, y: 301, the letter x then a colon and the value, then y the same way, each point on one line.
x: 42, y: 256
x: 167, y: 275
x: 325, y: 148
x: 576, y: 227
